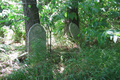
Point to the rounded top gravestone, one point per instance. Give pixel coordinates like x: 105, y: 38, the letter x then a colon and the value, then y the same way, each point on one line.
x: 74, y: 31
x: 36, y: 39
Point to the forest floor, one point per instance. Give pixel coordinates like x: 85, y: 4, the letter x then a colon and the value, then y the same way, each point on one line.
x: 8, y: 57
x: 109, y: 54
x: 10, y: 51
x: 9, y: 54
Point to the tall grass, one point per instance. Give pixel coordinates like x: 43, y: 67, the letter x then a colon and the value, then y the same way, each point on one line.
x: 90, y: 63
x: 93, y: 63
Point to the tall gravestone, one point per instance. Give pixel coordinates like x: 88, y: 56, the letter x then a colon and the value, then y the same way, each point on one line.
x: 74, y: 31
x: 36, y: 39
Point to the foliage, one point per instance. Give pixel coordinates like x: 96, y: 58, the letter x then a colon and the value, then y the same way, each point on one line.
x: 37, y: 52
x: 32, y: 73
x: 89, y: 63
x: 96, y: 17
x: 2, y: 32
x: 12, y: 16
x: 19, y: 32
x: 114, y: 35
x: 92, y: 64
x: 39, y: 67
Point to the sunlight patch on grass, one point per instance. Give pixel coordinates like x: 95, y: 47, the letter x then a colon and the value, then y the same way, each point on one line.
x: 8, y: 35
x: 13, y: 56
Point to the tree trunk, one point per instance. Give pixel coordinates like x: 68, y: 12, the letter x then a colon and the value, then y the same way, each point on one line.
x: 74, y: 9
x: 32, y: 14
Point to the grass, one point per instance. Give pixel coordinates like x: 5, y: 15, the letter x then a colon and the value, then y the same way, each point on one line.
x: 94, y: 64
x: 88, y: 63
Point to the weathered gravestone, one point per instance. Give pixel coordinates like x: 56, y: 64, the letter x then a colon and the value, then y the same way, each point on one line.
x: 74, y: 31
x: 36, y: 39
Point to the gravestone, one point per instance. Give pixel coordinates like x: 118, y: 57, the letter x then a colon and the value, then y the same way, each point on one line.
x: 36, y: 39
x: 74, y: 31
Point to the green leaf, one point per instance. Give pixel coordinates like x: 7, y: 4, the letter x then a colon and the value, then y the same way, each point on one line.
x: 1, y: 21
x: 65, y: 14
x: 78, y: 35
x: 53, y: 1
x: 29, y: 6
x: 118, y: 34
x: 11, y: 6
x: 2, y: 6
x: 12, y: 16
x: 117, y: 1
x: 39, y: 7
x: 26, y: 18
x: 73, y: 15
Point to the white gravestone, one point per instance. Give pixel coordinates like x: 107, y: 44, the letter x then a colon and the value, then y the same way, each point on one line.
x: 36, y: 39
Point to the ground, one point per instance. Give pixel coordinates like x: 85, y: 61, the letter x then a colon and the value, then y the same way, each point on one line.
x: 9, y: 52
x: 8, y: 57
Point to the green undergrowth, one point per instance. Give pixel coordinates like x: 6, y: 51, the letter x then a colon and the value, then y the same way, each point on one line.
x: 88, y: 63
x: 40, y: 72
x: 93, y: 63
